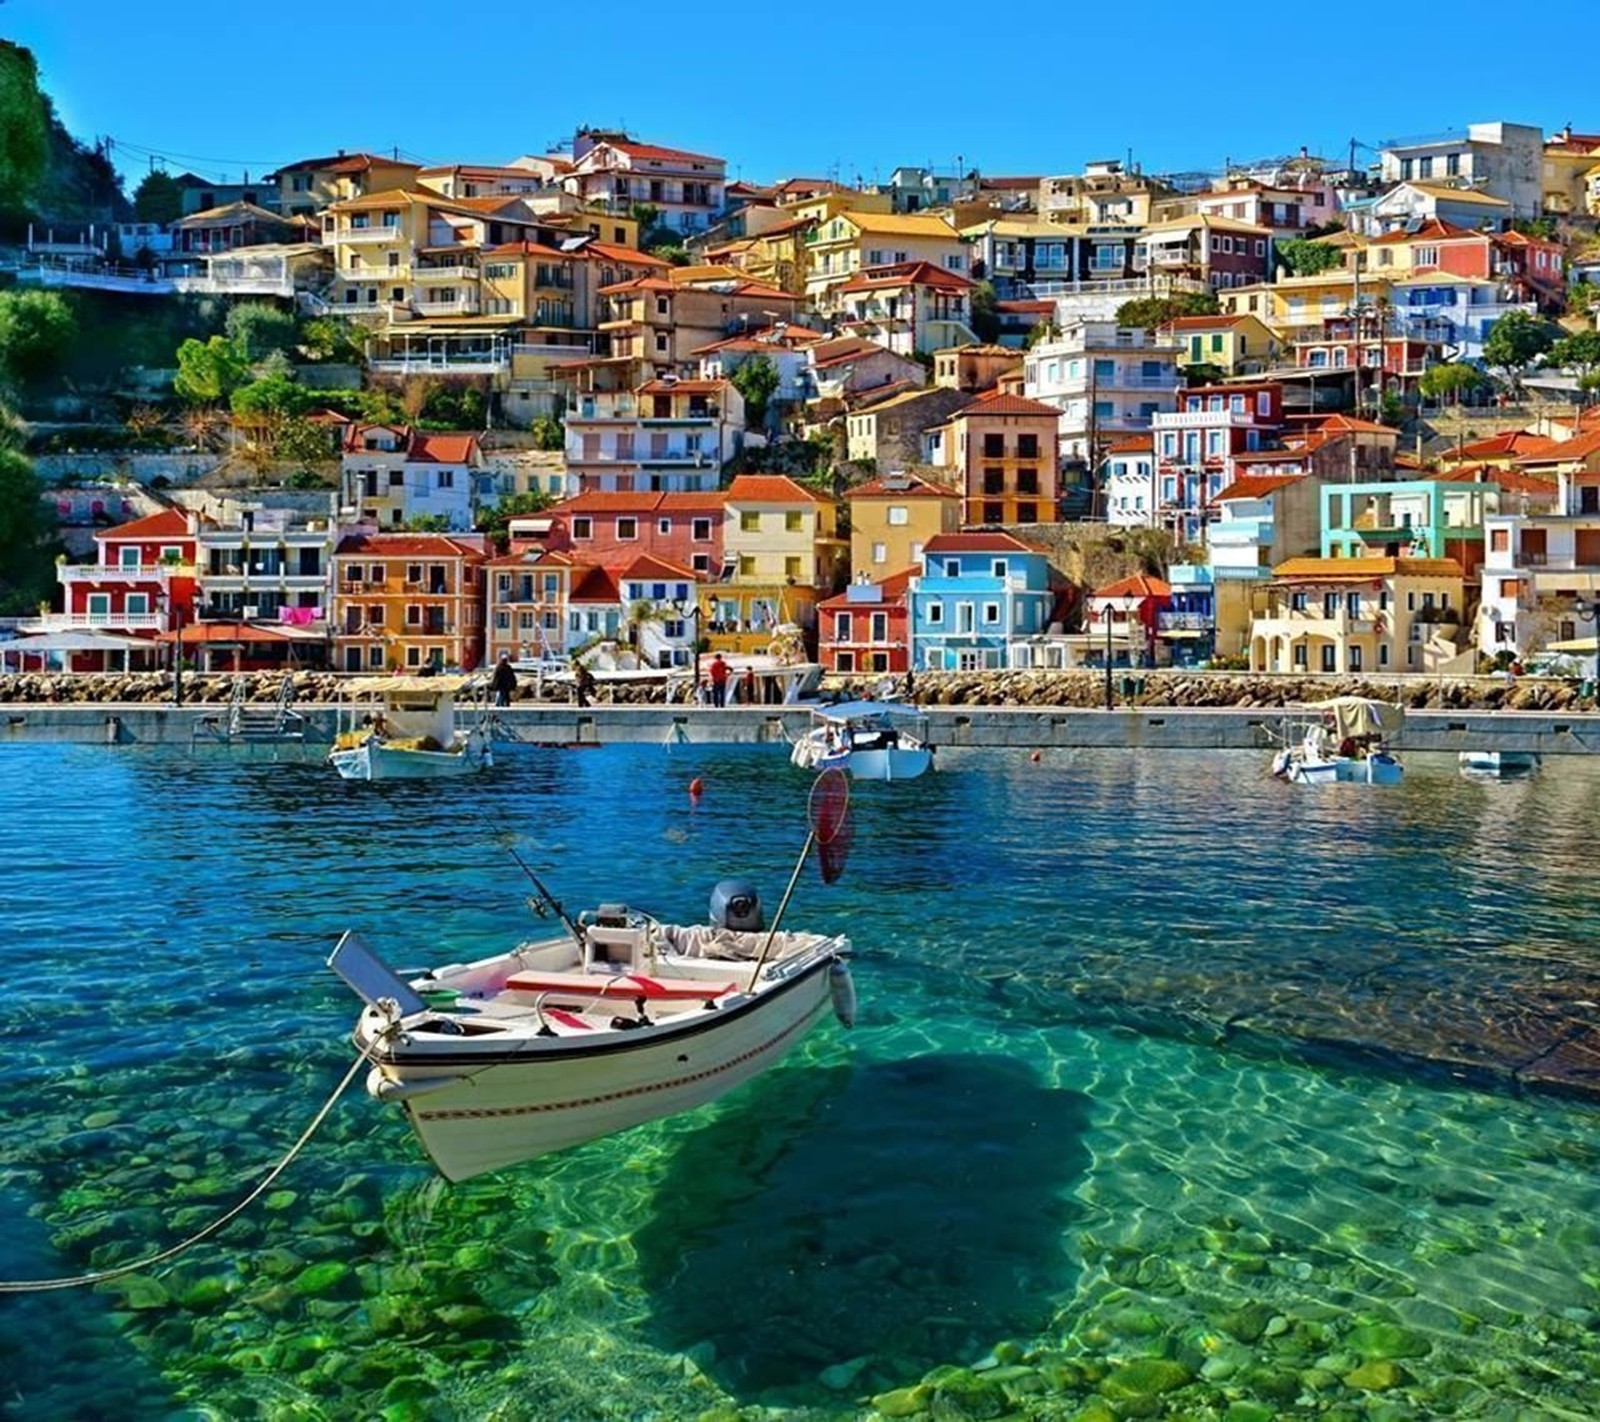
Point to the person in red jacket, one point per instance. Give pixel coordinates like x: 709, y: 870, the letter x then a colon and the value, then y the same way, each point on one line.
x: 719, y: 681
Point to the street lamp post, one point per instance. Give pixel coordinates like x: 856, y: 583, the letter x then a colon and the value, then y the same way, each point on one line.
x: 1106, y: 614
x: 1588, y: 608
x: 690, y: 612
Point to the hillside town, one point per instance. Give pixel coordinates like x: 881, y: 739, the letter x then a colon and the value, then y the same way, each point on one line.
x: 1306, y: 415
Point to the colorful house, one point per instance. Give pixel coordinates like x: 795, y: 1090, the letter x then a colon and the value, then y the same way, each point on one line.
x: 1107, y: 381
x: 892, y: 519
x: 976, y: 595
x: 390, y: 474
x: 851, y: 241
x: 865, y: 629
x: 782, y: 553
x: 613, y: 529
x: 615, y: 172
x: 888, y: 433
x: 1197, y: 445
x: 406, y: 601
x: 911, y: 308
x: 1261, y: 520
x: 1240, y: 344
x: 1412, y: 518
x: 661, y: 601
x: 312, y: 184
x: 1373, y: 614
x: 665, y: 436
x: 1003, y: 451
x: 1125, y: 616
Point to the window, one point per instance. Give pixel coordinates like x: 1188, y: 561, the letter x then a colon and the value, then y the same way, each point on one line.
x: 1408, y: 170
x: 700, y: 530
x: 749, y: 521
x: 991, y: 614
x: 793, y: 521
x: 935, y: 614
x: 1425, y: 167
x: 994, y: 513
x: 747, y: 566
x: 1027, y: 446
x: 1027, y: 513
x: 582, y: 528
x: 897, y: 516
x: 842, y: 628
x: 1299, y: 601
x: 627, y: 529
x: 880, y: 552
x: 1329, y: 657
x: 994, y: 446
x: 791, y: 567
x: 994, y: 481
x: 1452, y: 165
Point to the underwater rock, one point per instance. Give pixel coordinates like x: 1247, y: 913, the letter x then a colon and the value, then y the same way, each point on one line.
x: 1379, y: 1375
x: 322, y: 1278
x: 960, y: 1395
x: 903, y: 1401
x: 841, y: 1376
x: 1387, y: 1340
x: 1144, y: 1377
x: 141, y: 1291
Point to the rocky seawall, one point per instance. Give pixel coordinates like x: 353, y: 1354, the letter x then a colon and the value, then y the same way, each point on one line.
x: 1081, y: 689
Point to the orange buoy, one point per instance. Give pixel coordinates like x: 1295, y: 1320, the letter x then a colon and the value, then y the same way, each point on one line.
x: 697, y: 788
x: 1034, y: 757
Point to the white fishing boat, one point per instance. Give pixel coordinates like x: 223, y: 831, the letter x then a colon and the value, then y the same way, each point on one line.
x: 1498, y: 764
x: 410, y: 728
x: 873, y: 740
x: 1344, y: 743
x: 617, y: 1020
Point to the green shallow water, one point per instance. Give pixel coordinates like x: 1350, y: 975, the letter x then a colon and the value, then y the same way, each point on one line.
x: 1175, y: 1092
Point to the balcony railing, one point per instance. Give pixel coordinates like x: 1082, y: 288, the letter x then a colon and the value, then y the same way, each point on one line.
x: 1194, y: 621
x: 455, y: 273
x: 105, y: 621
x: 112, y: 573
x: 461, y: 305
x: 1203, y: 419
x: 370, y: 234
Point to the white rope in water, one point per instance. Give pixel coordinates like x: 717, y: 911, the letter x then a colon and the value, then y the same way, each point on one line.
x: 28, y: 1286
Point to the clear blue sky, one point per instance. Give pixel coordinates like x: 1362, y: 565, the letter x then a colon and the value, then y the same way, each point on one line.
x: 784, y: 90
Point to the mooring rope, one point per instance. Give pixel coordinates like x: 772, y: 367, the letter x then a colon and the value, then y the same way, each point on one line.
x: 28, y: 1286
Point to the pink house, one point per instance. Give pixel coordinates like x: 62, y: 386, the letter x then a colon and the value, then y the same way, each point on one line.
x: 614, y: 528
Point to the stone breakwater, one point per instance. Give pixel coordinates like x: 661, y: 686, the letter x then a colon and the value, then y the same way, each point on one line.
x: 1083, y: 689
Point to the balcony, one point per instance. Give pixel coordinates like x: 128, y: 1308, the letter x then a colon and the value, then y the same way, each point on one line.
x: 369, y: 234
x: 1184, y: 621
x: 1204, y: 419
x: 456, y: 306
x: 373, y: 274
x: 101, y: 621
x: 452, y: 273
x: 112, y: 573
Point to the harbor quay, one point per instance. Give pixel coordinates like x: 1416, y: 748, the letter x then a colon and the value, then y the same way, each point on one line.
x: 978, y: 727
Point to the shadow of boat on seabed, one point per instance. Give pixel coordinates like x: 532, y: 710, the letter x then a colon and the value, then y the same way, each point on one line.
x: 901, y: 1212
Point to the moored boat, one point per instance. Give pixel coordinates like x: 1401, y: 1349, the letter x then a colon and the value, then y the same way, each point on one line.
x: 1498, y: 764
x: 618, y: 1020
x: 1345, y: 743
x: 873, y: 740
x: 408, y: 728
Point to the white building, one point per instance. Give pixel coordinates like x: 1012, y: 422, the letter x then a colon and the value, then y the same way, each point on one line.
x: 614, y: 172
x: 668, y: 436
x: 1504, y: 160
x: 1108, y: 381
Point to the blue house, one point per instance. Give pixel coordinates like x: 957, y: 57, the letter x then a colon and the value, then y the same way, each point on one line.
x: 978, y: 593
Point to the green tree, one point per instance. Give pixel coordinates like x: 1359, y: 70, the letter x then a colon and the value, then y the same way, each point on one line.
x: 37, y: 331
x: 259, y: 328
x: 331, y: 338
x: 158, y: 198
x: 272, y: 395
x: 985, y: 315
x: 549, y: 433
x: 1152, y: 311
x: 757, y: 380
x: 1305, y: 258
x: 1203, y: 373
x: 1451, y: 382
x: 495, y: 519
x: 209, y: 371
x: 1515, y: 341
x: 24, y: 130
x: 1044, y: 331
x: 1580, y: 352
x: 27, y: 529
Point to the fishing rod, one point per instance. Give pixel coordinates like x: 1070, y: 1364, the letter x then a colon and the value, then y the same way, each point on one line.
x: 546, y: 897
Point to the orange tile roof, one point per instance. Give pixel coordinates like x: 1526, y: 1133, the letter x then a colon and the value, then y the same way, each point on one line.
x: 694, y: 501
x: 400, y: 545
x: 1133, y: 444
x: 990, y: 542
x: 442, y: 448
x: 1434, y: 229
x: 165, y: 523
x: 647, y: 565
x: 1558, y: 452
x: 891, y: 589
x: 906, y: 274
x: 1139, y: 585
x: 656, y: 151
x: 1506, y: 442
x: 618, y: 253
x: 595, y: 585
x: 901, y: 486
x: 995, y: 402
x: 1254, y: 486
x: 771, y: 489
x: 1365, y: 569
x: 606, y: 501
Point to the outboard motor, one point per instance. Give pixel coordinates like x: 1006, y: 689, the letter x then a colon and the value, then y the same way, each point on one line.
x: 736, y: 904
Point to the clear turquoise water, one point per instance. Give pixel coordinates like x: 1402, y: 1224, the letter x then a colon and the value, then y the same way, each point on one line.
x: 1099, y: 1132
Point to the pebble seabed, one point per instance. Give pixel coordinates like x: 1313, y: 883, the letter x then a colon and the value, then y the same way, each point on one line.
x: 1066, y: 1234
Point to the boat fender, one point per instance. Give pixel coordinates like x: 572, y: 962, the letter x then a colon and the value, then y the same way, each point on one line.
x: 842, y: 989
x: 697, y: 788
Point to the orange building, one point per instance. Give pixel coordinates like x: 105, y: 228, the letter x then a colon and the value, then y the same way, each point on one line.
x: 406, y: 601
x: 1005, y: 452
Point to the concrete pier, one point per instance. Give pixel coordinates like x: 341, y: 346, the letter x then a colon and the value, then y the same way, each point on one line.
x: 1141, y: 727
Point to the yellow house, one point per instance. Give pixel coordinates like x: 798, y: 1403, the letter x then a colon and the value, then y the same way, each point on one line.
x: 850, y: 241
x: 781, y: 545
x: 1351, y: 615
x: 1238, y: 345
x: 1300, y: 303
x: 405, y: 601
x: 315, y: 183
x: 892, y: 518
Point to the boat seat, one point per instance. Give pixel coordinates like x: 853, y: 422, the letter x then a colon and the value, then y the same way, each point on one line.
x: 625, y: 985
x: 611, y: 949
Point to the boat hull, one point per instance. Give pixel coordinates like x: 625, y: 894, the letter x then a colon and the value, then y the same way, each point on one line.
x: 372, y: 760
x: 562, y: 1093
x: 893, y: 764
x: 1499, y: 764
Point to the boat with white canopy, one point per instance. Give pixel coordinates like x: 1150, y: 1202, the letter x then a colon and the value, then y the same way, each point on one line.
x: 1344, y: 742
x: 409, y: 728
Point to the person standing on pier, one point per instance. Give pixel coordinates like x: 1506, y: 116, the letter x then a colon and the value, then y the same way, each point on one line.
x: 719, y: 681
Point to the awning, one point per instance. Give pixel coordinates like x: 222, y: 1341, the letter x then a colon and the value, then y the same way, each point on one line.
x: 207, y: 633
x: 1574, y: 644
x: 77, y: 640
x: 1183, y: 634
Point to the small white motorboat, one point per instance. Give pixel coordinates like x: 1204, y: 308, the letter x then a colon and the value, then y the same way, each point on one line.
x: 873, y: 740
x: 408, y: 728
x: 1497, y: 764
x: 618, y: 1020
x: 1345, y: 744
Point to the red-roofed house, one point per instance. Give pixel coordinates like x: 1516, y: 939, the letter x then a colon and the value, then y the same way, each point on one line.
x: 528, y: 613
x: 781, y: 553
x: 613, y: 172
x: 1260, y: 519
x: 661, y: 322
x: 391, y: 474
x: 1197, y: 446
x: 1240, y: 344
x: 661, y: 601
x: 405, y: 601
x: 141, y: 584
x: 1128, y: 612
x: 1004, y: 452
x: 865, y: 629
x: 912, y: 308
x: 893, y: 517
x: 313, y: 183
x: 979, y: 598
x: 614, y: 528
